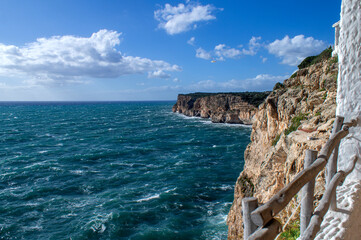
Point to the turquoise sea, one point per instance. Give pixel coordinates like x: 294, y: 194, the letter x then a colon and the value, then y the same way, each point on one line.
x: 115, y: 170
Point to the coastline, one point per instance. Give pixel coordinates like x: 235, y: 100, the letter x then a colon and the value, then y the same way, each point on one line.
x: 232, y: 108
x: 209, y: 121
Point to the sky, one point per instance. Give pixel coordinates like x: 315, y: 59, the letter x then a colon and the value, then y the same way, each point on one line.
x: 135, y: 50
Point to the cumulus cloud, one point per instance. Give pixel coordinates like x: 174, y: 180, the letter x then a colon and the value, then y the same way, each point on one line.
x: 293, y: 50
x: 191, y: 41
x: 253, y: 46
x: 158, y: 74
x: 70, y: 58
x: 201, y: 53
x: 222, y: 51
x: 261, y: 82
x: 184, y: 17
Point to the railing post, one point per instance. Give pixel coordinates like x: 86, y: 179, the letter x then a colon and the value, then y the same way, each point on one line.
x: 248, y: 206
x: 331, y: 168
x: 307, y: 193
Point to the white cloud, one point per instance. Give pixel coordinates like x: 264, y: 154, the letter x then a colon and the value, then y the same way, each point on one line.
x: 253, y: 46
x: 201, y: 53
x: 222, y: 51
x: 191, y: 41
x: 261, y: 82
x: 176, y: 80
x: 293, y: 50
x: 206, y: 85
x: 158, y: 74
x: 62, y: 59
x: 182, y: 18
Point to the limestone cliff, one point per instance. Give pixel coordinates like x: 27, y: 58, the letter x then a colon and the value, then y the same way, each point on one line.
x: 296, y: 116
x: 221, y: 107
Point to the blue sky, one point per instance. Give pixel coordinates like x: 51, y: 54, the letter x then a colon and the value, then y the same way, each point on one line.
x: 152, y: 50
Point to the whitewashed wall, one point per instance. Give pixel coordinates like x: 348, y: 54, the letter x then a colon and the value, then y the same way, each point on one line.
x: 349, y: 80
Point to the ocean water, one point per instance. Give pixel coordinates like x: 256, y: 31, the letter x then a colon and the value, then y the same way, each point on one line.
x: 117, y: 170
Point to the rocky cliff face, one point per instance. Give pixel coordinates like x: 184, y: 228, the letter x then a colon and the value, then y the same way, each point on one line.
x: 222, y: 107
x: 296, y: 116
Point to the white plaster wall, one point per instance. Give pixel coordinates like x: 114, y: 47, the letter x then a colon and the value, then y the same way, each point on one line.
x: 349, y: 81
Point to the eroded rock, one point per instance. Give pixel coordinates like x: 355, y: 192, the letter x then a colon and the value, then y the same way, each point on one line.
x: 306, y: 104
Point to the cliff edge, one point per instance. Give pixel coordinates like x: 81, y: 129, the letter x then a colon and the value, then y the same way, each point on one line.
x: 296, y: 116
x: 221, y: 107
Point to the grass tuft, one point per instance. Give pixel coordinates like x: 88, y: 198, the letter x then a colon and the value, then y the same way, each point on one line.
x: 295, y: 123
x: 276, y: 139
x: 292, y: 231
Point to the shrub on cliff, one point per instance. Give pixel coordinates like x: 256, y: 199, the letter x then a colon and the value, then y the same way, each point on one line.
x: 295, y: 123
x: 278, y: 86
x: 308, y: 61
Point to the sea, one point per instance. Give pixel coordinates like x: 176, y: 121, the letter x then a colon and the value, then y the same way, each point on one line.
x: 115, y: 170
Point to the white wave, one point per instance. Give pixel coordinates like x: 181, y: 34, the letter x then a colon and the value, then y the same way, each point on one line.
x: 56, y: 169
x: 237, y: 125
x: 36, y: 164
x: 98, y: 224
x: 99, y: 228
x: 69, y: 215
x: 170, y: 190
x: 77, y: 172
x: 191, y: 117
x: 32, y: 204
x: 224, y: 187
x: 149, y: 198
x: 155, y: 196
x: 181, y: 162
x: 208, y: 121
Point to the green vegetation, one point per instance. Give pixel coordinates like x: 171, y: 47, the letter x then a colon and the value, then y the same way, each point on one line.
x: 295, y: 123
x: 253, y: 98
x: 292, y: 231
x: 308, y: 61
x: 324, y: 96
x: 247, y: 187
x: 318, y: 114
x: 276, y: 139
x: 294, y: 74
x: 278, y: 86
x: 334, y: 60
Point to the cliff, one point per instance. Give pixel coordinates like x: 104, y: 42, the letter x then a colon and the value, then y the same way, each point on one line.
x: 221, y: 107
x: 296, y: 116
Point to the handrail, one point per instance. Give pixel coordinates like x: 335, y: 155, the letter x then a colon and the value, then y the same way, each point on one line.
x: 323, y: 206
x: 263, y: 216
x: 278, y: 202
